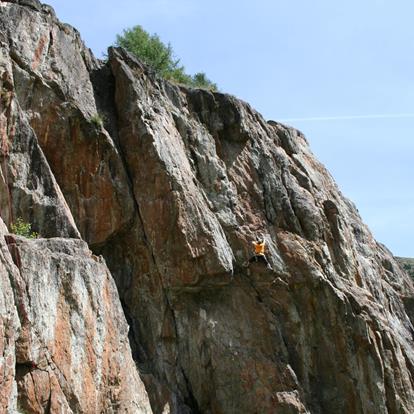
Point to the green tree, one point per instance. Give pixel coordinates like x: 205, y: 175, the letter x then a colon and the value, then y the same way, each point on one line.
x: 152, y: 51
x: 178, y: 75
x: 200, y: 80
x: 149, y: 49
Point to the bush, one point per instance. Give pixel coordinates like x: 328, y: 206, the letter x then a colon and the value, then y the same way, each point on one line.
x: 98, y: 120
x: 24, y: 229
x: 149, y: 49
x: 160, y: 57
x: 200, y: 80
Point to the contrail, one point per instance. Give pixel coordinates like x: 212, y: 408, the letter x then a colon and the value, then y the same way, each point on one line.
x: 347, y: 117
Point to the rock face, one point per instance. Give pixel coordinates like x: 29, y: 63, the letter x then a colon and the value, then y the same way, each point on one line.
x: 170, y: 185
x: 72, y: 353
x: 64, y: 337
x: 9, y: 330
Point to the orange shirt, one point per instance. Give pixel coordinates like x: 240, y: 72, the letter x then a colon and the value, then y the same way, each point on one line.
x: 259, y: 248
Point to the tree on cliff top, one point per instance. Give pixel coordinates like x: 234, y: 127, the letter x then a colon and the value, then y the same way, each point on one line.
x: 152, y: 51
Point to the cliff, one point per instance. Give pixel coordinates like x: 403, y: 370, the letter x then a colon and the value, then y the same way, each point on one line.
x: 168, y: 186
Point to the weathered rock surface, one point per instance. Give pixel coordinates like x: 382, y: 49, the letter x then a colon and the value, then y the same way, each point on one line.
x: 171, y: 189
x: 50, y: 70
x: 27, y: 185
x: 70, y: 351
x: 9, y: 330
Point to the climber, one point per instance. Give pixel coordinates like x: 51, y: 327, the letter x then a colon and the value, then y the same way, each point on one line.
x: 259, y: 252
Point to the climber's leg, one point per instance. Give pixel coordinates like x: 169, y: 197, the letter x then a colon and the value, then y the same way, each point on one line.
x: 263, y: 258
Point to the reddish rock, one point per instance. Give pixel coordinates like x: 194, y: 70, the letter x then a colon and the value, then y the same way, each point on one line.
x: 171, y: 188
x: 9, y: 331
x: 307, y: 337
x: 72, y: 352
x: 57, y: 95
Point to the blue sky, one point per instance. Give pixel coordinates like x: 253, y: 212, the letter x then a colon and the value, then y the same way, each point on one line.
x: 295, y: 60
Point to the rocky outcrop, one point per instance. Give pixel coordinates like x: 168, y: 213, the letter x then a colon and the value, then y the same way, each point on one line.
x: 314, y: 335
x: 9, y: 330
x: 49, y: 70
x: 170, y: 185
x: 68, y: 350
x: 28, y: 187
x: 64, y: 340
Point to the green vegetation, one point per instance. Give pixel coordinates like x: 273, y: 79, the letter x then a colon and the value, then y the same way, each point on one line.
x: 152, y: 51
x: 407, y: 265
x: 98, y: 120
x: 24, y: 229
